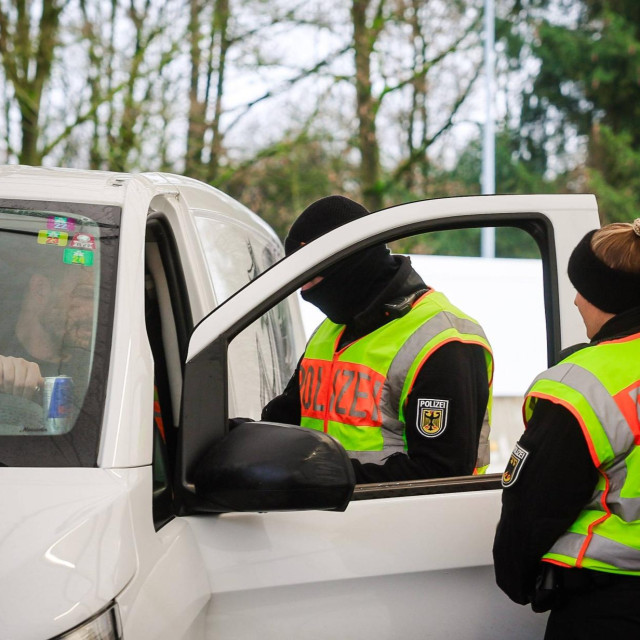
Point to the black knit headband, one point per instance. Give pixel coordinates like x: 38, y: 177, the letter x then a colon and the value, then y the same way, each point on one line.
x: 611, y: 290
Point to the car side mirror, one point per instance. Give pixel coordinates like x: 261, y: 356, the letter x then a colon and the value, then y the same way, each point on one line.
x: 265, y: 466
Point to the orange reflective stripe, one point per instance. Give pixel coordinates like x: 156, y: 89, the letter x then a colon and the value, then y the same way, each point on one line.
x: 628, y: 400
x: 592, y: 525
x: 558, y: 563
x: 441, y: 344
x: 343, y: 392
x: 630, y: 338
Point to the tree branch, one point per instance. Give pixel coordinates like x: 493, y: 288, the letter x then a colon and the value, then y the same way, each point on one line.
x: 419, y: 152
x: 289, y: 83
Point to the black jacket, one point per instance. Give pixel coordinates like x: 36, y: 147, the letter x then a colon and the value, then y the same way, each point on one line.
x: 556, y: 480
x: 455, y: 372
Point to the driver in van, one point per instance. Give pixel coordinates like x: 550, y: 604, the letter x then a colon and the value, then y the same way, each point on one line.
x: 399, y: 375
x: 55, y: 320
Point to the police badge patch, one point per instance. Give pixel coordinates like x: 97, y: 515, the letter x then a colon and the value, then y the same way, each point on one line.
x: 432, y: 417
x: 516, y: 461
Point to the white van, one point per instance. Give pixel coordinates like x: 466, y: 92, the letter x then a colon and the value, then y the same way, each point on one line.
x: 129, y: 510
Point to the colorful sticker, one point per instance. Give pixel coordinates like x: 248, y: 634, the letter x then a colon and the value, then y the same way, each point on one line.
x: 432, y: 416
x: 60, y: 223
x: 78, y: 256
x: 83, y: 241
x: 59, y: 238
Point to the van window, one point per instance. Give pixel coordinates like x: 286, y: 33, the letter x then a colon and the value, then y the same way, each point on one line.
x: 261, y: 361
x: 57, y: 279
x: 263, y: 357
x: 235, y: 253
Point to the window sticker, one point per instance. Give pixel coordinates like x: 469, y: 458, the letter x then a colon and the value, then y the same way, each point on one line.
x: 78, y: 256
x: 83, y: 241
x: 60, y: 223
x: 57, y: 238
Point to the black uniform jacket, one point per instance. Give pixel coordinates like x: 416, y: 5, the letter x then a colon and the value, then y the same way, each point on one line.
x: 556, y: 480
x: 456, y: 372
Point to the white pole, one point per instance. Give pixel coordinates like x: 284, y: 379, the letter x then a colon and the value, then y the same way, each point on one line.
x: 488, y: 237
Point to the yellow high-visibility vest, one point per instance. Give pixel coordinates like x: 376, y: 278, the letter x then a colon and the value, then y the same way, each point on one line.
x: 358, y: 394
x: 599, y: 385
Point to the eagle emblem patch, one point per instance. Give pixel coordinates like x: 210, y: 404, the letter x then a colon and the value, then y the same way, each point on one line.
x: 432, y: 416
x: 516, y: 461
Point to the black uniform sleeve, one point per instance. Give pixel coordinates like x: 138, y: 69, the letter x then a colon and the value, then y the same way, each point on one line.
x: 555, y: 481
x: 286, y: 407
x: 456, y: 377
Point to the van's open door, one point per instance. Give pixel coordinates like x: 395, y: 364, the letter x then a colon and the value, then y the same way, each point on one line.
x: 555, y: 222
x: 405, y: 555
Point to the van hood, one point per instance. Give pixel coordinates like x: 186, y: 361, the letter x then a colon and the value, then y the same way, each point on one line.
x: 66, y: 547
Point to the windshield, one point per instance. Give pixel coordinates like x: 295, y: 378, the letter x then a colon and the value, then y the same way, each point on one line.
x: 57, y: 283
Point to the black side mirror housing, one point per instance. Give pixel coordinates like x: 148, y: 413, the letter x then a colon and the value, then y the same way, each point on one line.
x: 266, y: 466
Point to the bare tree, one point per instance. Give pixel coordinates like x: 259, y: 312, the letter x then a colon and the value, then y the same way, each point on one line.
x: 143, y: 84
x: 365, y: 35
x: 208, y: 23
x: 421, y: 134
x: 130, y: 86
x: 28, y: 43
x: 386, y: 59
x: 380, y: 30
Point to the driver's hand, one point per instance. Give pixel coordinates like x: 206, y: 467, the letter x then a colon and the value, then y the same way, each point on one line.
x: 19, y: 377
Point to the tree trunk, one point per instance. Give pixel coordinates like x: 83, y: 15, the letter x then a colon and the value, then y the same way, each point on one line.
x: 363, y: 39
x: 220, y: 24
x: 27, y: 65
x: 197, y: 108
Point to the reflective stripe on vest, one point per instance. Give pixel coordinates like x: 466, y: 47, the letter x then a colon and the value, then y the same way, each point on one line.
x: 599, y: 385
x: 358, y: 394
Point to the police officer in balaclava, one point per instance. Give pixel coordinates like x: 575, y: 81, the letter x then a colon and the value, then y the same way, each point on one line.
x: 396, y: 373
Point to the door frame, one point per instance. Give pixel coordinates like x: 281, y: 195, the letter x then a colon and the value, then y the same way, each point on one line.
x: 551, y: 221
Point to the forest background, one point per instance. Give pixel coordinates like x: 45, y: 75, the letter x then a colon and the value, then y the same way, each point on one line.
x: 280, y: 102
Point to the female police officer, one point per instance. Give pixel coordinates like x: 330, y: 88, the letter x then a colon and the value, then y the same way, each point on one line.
x: 569, y: 535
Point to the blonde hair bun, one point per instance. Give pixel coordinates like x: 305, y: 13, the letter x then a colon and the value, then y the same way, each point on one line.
x: 636, y: 226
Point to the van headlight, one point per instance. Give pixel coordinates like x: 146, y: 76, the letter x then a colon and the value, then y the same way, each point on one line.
x: 104, y: 626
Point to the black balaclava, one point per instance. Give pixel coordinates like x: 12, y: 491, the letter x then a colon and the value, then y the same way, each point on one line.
x: 349, y: 286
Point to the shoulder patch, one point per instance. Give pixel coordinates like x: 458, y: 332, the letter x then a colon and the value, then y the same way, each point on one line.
x: 432, y: 414
x: 515, y: 464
